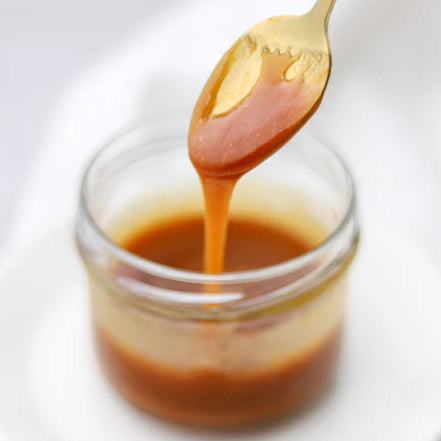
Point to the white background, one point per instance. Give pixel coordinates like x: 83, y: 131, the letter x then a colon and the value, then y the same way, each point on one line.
x: 61, y: 58
x: 73, y: 73
x: 43, y: 43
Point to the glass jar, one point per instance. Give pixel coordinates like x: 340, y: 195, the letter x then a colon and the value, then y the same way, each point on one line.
x: 223, y: 349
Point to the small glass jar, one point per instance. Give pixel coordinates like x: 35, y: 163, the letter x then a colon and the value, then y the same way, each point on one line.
x: 226, y: 349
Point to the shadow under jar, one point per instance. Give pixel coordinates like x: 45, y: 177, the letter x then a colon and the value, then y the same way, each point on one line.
x: 218, y: 350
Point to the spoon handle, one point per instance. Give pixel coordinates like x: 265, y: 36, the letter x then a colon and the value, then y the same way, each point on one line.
x: 322, y: 10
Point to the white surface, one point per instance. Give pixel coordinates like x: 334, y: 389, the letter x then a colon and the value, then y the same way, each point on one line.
x: 389, y: 387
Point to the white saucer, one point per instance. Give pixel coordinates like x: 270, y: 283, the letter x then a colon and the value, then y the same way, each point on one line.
x: 389, y: 385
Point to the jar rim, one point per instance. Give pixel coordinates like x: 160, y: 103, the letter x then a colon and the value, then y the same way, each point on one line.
x: 226, y: 278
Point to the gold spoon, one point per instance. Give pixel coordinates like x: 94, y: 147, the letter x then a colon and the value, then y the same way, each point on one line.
x: 262, y: 91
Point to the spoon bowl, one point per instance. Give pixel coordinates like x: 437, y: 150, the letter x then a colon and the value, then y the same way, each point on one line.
x: 261, y: 92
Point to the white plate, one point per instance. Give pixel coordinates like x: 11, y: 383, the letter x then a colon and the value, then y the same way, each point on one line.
x: 389, y: 385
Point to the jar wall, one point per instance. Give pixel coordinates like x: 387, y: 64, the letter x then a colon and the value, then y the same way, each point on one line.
x: 267, y: 342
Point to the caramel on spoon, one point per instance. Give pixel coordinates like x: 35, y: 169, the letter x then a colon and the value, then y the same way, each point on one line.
x: 259, y: 95
x: 261, y: 92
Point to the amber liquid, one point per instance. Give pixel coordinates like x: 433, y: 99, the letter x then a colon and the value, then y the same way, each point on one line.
x: 250, y: 244
x: 223, y: 148
x: 212, y: 396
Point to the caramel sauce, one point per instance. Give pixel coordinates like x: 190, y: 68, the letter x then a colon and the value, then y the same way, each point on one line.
x: 213, y: 396
x: 224, y: 147
x: 231, y: 144
x: 250, y: 244
x: 226, y: 140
